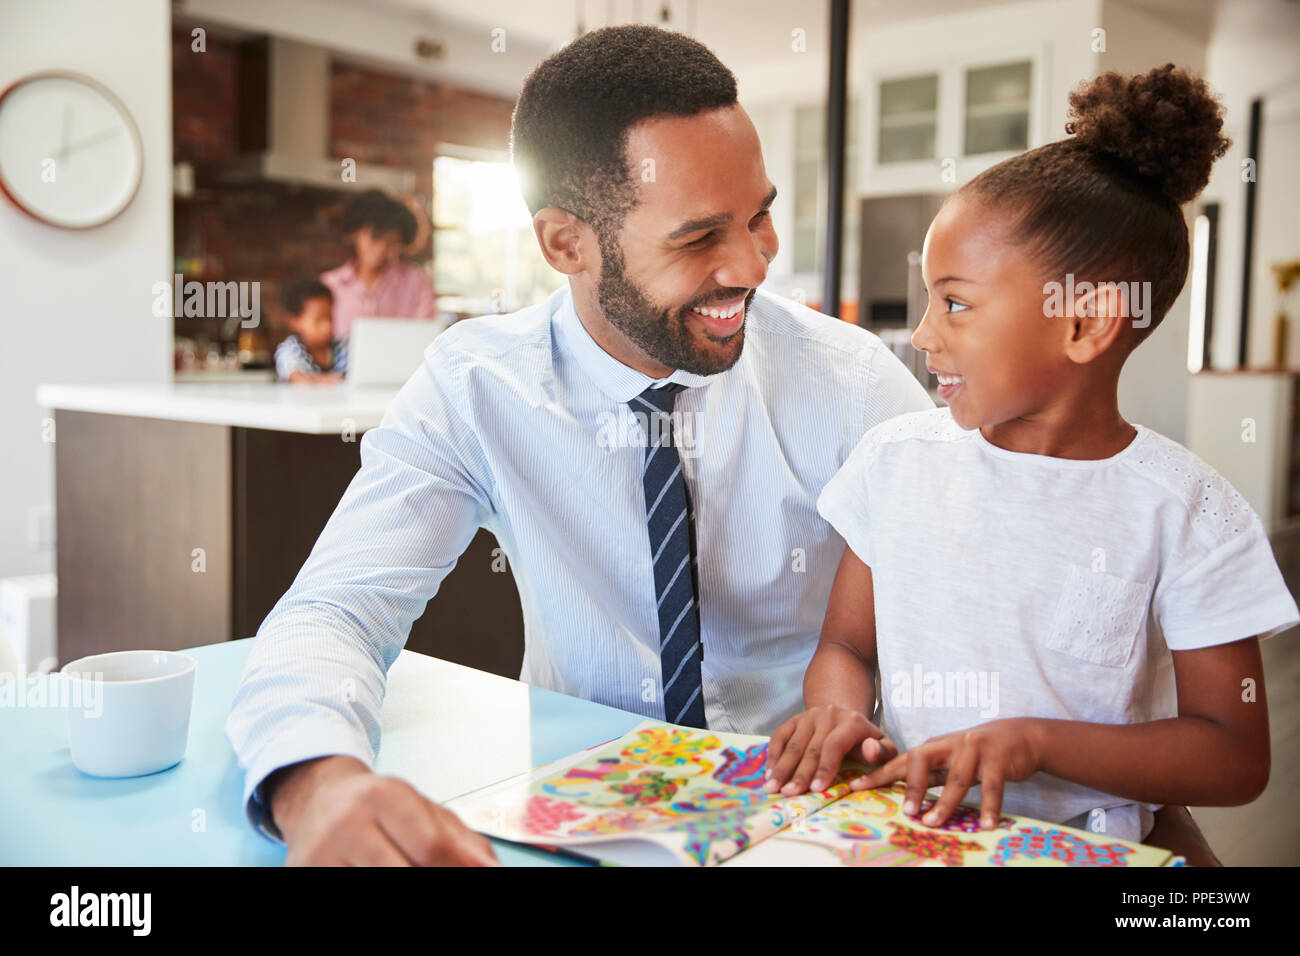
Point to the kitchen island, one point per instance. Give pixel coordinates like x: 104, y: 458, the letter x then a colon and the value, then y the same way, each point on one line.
x: 185, y: 510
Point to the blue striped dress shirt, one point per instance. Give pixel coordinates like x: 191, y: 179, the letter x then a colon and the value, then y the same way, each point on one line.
x: 519, y: 424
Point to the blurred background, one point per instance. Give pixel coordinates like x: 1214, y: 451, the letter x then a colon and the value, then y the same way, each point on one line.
x: 258, y: 121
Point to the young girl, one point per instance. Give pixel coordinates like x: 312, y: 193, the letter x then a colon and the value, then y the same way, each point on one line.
x: 1063, y: 608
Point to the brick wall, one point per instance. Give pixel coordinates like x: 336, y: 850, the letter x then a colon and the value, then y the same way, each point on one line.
x: 272, y: 233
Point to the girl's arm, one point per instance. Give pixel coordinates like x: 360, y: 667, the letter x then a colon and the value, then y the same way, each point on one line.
x: 1214, y: 753
x: 839, y: 691
x: 843, y: 669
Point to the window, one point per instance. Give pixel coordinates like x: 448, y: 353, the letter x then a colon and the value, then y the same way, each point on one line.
x: 485, y: 257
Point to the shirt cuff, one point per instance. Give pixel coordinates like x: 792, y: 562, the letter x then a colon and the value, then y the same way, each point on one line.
x: 303, y: 744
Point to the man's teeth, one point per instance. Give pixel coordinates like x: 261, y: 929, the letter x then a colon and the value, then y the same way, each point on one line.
x: 717, y: 314
x: 949, y: 379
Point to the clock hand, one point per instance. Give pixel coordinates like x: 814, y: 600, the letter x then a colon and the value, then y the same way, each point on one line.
x: 92, y: 140
x: 67, y: 130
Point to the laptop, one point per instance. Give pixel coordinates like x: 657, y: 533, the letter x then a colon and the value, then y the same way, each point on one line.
x: 386, y: 352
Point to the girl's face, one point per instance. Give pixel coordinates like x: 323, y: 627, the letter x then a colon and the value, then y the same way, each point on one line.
x: 985, y: 331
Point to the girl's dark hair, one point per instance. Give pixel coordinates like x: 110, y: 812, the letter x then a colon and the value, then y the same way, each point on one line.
x: 574, y: 111
x: 382, y: 213
x: 1104, y: 203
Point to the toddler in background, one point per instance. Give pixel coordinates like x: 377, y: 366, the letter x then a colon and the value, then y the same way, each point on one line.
x: 310, y: 354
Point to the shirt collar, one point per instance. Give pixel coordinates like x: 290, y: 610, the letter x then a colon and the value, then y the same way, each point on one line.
x: 619, y: 382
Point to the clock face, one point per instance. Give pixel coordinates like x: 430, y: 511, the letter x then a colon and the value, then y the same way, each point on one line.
x: 70, y: 154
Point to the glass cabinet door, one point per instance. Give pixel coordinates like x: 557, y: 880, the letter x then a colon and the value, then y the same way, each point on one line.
x: 810, y: 188
x: 908, y: 119
x: 997, y: 108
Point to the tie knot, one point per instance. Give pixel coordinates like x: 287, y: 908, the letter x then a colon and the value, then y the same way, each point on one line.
x: 660, y: 399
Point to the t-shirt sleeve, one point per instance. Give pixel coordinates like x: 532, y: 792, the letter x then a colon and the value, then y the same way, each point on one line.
x: 844, y: 503
x: 290, y: 357
x: 1234, y: 592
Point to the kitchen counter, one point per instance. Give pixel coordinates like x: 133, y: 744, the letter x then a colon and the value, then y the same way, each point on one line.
x: 185, y: 510
x: 277, y: 406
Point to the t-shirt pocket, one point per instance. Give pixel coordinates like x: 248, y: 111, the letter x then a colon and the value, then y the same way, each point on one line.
x: 1099, y: 616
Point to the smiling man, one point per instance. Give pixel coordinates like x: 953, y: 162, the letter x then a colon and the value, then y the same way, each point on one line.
x: 682, y: 579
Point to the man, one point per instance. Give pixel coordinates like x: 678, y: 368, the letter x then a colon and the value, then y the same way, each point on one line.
x: 647, y: 446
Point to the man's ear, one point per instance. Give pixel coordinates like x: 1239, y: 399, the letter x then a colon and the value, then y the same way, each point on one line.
x: 565, y: 240
x: 1100, y: 315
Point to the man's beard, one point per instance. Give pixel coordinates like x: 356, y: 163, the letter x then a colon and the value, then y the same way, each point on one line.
x: 662, y: 334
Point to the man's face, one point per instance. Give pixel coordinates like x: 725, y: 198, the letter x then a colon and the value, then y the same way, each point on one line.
x: 701, y: 237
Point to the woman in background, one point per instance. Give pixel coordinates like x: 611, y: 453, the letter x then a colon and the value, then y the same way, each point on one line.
x: 375, y: 282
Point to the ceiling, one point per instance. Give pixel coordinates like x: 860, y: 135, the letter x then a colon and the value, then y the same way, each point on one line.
x: 740, y: 32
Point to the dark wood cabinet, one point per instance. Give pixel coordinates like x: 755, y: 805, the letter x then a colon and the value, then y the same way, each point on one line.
x: 176, y: 534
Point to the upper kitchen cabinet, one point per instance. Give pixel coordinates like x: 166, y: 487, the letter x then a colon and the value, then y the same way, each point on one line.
x: 924, y: 122
x: 998, y: 104
x: 907, y: 123
x: 807, y: 237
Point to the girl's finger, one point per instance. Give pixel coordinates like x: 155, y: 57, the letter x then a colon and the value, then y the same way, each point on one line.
x: 960, y: 778
x: 879, y: 750
x: 918, y: 779
x: 776, y: 746
x: 834, y: 748
x: 885, y: 774
x: 790, y: 756
x: 808, y: 763
x: 991, y: 782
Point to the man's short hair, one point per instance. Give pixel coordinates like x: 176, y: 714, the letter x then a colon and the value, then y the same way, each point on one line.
x: 570, y: 124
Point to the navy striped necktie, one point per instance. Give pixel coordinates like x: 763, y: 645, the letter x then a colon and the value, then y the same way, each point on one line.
x: 671, y: 528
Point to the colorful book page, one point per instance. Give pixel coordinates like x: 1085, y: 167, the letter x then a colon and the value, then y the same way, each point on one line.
x: 869, y: 828
x: 661, y: 795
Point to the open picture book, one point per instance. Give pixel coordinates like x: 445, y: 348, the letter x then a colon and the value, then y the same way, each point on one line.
x: 664, y: 795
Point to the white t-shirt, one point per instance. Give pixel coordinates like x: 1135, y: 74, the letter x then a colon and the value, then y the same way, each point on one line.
x: 1018, y: 585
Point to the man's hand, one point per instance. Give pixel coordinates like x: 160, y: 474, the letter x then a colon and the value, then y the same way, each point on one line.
x: 806, y: 751
x: 334, y: 811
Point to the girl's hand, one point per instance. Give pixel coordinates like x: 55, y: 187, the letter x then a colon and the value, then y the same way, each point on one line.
x: 810, y: 746
x: 989, y: 755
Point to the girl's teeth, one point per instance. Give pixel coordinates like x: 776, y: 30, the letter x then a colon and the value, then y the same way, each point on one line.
x: 949, y: 379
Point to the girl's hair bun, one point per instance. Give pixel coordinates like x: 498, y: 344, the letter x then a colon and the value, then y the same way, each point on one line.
x: 1164, y: 124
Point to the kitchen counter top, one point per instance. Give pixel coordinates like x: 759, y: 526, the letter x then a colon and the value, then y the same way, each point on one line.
x: 277, y: 406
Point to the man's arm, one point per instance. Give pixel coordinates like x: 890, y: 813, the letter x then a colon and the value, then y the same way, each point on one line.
x: 314, y: 682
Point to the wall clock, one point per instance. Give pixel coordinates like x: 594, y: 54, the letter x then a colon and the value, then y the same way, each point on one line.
x: 70, y: 154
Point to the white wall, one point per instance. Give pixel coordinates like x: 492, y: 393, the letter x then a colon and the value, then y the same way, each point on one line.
x: 1153, y: 387
x: 1253, y: 51
x: 77, y: 303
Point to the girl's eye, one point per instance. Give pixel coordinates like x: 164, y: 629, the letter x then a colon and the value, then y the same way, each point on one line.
x: 958, y: 306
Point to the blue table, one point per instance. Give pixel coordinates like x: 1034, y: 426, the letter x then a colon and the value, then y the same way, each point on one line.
x: 447, y: 730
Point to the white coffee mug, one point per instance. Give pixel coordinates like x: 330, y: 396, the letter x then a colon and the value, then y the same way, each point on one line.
x: 128, y: 711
